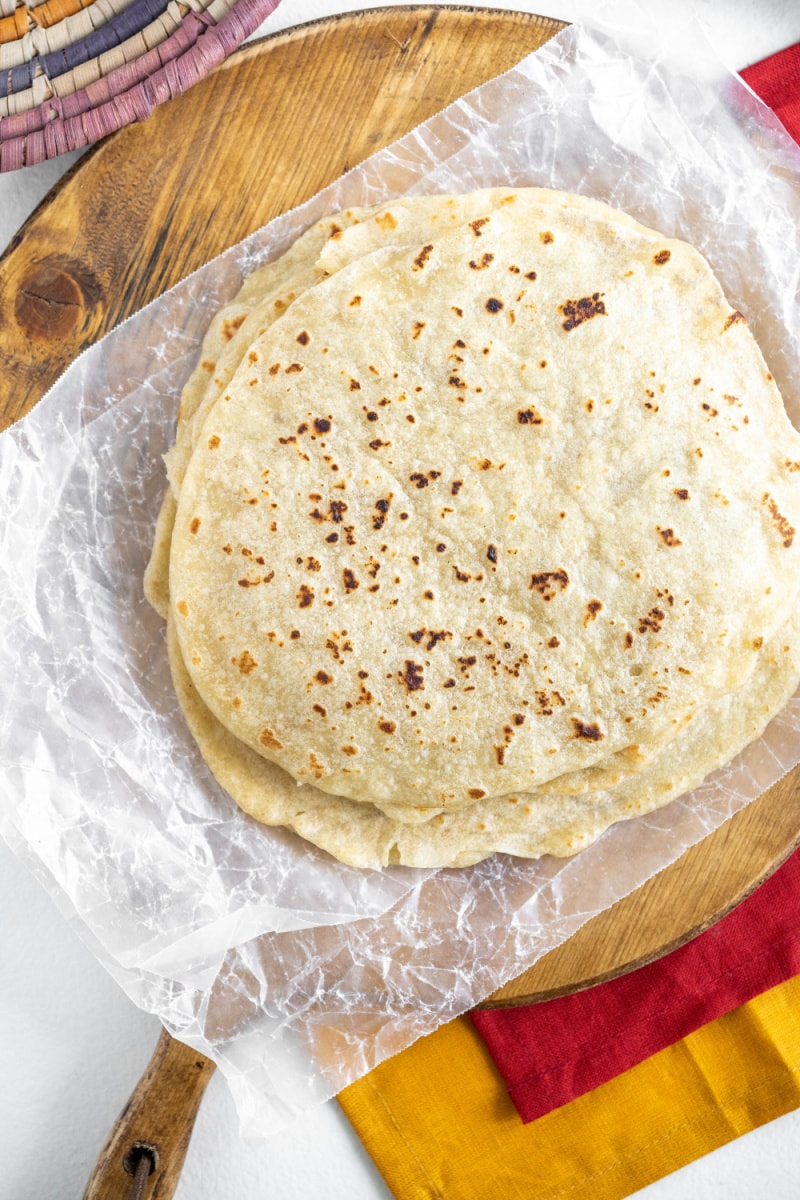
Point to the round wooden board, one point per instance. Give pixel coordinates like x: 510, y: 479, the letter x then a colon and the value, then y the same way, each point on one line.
x: 280, y: 120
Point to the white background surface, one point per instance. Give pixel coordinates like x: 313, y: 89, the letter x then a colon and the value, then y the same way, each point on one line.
x: 74, y: 1046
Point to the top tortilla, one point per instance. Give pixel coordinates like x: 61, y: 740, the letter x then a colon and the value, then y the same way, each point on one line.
x: 568, y: 580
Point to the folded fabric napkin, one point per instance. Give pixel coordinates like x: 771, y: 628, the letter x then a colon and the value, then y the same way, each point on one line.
x: 439, y: 1123
x: 777, y: 81
x: 552, y: 1052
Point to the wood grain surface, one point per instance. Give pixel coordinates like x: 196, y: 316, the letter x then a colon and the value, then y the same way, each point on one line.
x: 280, y: 120
x: 151, y: 1136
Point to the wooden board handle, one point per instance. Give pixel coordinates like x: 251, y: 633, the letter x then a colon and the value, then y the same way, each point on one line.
x: 156, y: 1124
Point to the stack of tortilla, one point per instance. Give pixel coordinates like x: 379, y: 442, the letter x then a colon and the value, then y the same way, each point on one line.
x: 481, y: 531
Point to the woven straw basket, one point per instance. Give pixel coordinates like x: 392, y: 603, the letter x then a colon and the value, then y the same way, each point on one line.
x: 72, y: 71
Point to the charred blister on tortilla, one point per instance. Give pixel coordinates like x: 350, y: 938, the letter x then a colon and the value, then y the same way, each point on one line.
x: 549, y: 583
x: 576, y: 312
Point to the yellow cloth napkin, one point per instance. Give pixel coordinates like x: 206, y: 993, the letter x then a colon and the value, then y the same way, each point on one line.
x: 439, y: 1124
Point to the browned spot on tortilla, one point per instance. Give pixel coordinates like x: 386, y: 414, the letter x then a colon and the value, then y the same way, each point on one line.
x: 305, y: 596
x: 268, y: 739
x: 412, y: 676
x: 554, y: 643
x: 662, y: 257
x: 732, y: 320
x: 355, y: 302
x: 229, y: 327
x: 294, y: 368
x: 183, y: 608
x: 546, y: 238
x: 349, y: 580
x: 386, y: 221
x: 476, y: 793
x: 434, y: 636
x: 245, y: 662
x: 668, y: 537
x: 652, y: 622
x: 418, y: 327
x: 592, y: 609
x: 477, y: 226
x: 681, y: 493
x: 589, y: 732
x: 780, y: 522
x: 549, y: 583
x: 213, y: 442
x: 317, y: 768
x: 758, y: 643
x: 323, y: 677
x: 493, y: 305
x: 528, y: 416
x: 195, y: 525
x: 482, y: 263
x: 350, y: 750
x: 423, y: 256
x: 387, y: 726
x: 578, y: 311
x: 383, y: 508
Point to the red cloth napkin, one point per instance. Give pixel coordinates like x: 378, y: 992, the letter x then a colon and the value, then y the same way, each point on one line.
x: 550, y: 1053
x: 777, y: 81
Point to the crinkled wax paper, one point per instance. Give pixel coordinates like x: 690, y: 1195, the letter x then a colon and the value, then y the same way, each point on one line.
x: 294, y: 973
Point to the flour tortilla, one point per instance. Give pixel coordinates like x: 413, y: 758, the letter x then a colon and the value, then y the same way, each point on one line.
x: 264, y: 298
x: 607, y: 432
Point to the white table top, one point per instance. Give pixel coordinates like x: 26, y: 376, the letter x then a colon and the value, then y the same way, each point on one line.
x: 74, y: 1045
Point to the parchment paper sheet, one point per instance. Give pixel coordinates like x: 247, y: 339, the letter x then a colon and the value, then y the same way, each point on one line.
x: 295, y: 973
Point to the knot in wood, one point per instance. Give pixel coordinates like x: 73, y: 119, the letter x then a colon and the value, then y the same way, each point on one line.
x: 52, y: 299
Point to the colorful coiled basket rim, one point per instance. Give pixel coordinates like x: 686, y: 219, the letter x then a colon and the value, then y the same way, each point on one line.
x: 73, y: 71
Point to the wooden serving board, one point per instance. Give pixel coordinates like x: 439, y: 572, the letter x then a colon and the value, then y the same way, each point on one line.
x: 280, y: 120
